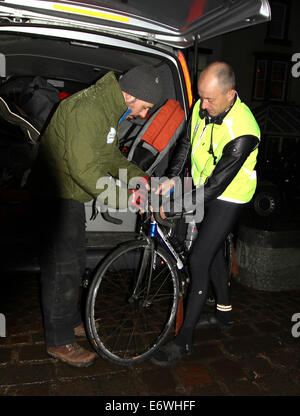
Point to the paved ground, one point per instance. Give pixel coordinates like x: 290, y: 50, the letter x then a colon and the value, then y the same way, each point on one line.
x: 260, y: 357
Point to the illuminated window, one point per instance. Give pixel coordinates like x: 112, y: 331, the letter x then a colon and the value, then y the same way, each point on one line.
x: 260, y: 82
x: 278, y: 80
x: 271, y: 78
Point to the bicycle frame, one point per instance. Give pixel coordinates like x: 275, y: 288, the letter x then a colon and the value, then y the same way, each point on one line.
x: 164, y: 239
x: 156, y: 231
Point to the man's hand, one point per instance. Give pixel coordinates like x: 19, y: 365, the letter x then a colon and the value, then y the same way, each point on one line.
x: 162, y: 213
x: 139, y: 196
x: 166, y: 187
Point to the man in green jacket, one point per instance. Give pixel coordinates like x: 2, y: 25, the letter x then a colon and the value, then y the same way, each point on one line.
x: 78, y: 149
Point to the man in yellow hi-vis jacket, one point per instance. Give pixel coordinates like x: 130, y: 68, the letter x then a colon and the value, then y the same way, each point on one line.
x: 223, y: 140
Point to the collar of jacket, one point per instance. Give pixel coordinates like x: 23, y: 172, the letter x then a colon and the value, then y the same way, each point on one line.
x: 111, y: 94
x: 218, y: 119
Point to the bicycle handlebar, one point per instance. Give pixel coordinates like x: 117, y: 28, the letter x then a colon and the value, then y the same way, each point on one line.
x: 107, y: 217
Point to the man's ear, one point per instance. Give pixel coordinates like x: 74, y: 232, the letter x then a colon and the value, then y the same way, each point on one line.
x: 231, y: 94
x: 128, y: 97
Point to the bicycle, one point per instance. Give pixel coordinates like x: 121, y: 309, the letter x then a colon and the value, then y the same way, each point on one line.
x: 133, y: 298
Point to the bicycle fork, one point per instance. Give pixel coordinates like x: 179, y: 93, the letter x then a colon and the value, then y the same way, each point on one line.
x: 149, y: 253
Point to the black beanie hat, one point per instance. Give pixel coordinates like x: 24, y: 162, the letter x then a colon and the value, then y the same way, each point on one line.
x: 142, y: 82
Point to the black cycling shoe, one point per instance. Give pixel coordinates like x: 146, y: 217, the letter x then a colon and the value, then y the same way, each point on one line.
x: 209, y: 320
x: 170, y: 354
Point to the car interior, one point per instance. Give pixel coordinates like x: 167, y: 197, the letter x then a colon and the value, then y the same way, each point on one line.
x: 68, y: 66
x: 49, y: 70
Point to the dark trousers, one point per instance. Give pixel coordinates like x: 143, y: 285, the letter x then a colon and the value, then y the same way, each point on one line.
x: 207, y: 262
x: 62, y: 262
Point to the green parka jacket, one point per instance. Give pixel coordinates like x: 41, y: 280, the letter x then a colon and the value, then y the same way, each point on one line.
x: 80, y: 145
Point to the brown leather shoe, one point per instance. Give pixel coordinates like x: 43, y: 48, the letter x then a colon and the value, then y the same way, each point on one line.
x: 79, y: 331
x: 72, y: 354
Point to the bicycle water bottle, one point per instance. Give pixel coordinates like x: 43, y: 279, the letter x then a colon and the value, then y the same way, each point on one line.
x: 191, y: 235
x: 153, y: 228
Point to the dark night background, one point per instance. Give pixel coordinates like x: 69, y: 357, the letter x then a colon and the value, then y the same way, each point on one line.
x: 260, y: 357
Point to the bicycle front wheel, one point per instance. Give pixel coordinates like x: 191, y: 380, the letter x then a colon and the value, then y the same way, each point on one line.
x: 133, y: 314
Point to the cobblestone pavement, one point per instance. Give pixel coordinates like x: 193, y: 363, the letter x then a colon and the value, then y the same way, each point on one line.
x: 260, y: 357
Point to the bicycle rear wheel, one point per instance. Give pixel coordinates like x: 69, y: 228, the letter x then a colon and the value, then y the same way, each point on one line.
x: 131, y: 327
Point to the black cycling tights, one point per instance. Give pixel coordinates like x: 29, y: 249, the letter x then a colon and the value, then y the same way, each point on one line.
x: 207, y: 263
